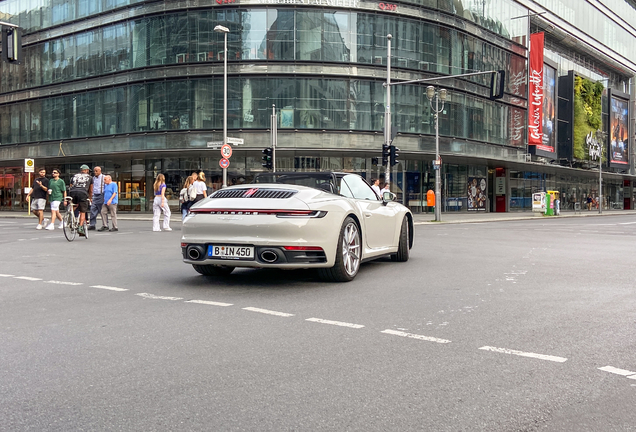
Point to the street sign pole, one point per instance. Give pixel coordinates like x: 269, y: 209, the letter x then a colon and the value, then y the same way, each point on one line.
x: 387, y: 109
x: 29, y: 167
x: 274, y: 137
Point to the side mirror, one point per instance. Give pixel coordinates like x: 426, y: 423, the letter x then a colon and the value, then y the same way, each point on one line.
x: 388, y: 196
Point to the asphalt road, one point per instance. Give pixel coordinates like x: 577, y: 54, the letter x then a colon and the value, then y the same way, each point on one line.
x: 489, y: 327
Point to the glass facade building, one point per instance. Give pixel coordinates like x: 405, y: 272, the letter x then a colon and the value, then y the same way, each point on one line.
x: 137, y: 87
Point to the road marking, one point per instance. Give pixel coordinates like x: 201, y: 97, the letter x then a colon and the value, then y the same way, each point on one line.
x: 63, y: 283
x: 415, y: 336
x: 525, y: 354
x: 337, y: 323
x: 618, y: 371
x: 156, y: 297
x: 211, y: 303
x: 27, y: 278
x: 627, y: 223
x: 6, y: 275
x: 268, y: 312
x: 108, y: 288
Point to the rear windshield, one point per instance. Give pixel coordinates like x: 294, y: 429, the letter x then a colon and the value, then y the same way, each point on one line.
x: 322, y: 181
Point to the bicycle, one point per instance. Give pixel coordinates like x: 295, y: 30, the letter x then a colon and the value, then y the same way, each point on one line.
x: 70, y: 222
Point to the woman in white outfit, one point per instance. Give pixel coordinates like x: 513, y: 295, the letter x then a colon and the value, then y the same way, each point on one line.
x: 160, y: 204
x: 199, y: 186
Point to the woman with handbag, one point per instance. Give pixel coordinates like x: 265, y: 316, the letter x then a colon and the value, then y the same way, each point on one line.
x: 160, y: 204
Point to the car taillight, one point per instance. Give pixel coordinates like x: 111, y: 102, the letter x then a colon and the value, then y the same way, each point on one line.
x: 270, y: 212
x: 302, y: 248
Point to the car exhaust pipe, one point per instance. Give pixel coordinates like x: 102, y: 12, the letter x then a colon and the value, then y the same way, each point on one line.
x: 269, y: 256
x: 195, y: 252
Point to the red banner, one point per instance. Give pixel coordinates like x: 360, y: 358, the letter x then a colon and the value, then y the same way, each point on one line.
x: 535, y: 91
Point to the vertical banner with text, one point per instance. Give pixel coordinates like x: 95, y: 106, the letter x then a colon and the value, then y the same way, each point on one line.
x: 535, y: 91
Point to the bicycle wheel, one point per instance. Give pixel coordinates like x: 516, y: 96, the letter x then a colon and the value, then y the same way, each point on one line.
x: 68, y: 227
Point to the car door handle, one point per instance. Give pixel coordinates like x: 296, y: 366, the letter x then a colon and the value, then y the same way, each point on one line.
x: 367, y: 215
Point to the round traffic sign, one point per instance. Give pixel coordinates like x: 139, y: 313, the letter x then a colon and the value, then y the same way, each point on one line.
x: 224, y: 163
x: 29, y: 162
x: 226, y: 151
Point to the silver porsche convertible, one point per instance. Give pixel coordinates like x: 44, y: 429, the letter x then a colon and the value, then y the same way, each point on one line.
x: 324, y: 220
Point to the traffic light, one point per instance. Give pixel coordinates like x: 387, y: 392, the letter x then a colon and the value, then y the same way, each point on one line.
x: 386, y: 152
x: 497, y: 84
x: 12, y: 44
x: 267, y: 158
x: 394, y: 155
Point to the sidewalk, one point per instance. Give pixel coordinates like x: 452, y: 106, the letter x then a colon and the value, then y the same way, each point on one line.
x: 419, y: 219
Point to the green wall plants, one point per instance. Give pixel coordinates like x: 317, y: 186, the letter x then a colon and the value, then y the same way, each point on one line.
x: 587, y: 113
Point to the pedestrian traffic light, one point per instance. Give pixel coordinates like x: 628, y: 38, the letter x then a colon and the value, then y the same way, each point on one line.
x: 394, y: 155
x: 12, y: 44
x: 385, y: 154
x: 267, y: 158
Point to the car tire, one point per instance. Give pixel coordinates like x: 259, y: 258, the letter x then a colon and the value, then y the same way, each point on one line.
x: 348, y: 254
x: 403, y: 252
x: 213, y: 270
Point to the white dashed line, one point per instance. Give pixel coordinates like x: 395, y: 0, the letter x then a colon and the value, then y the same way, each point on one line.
x: 415, y: 336
x: 211, y: 303
x: 268, y: 312
x: 108, y: 288
x: 337, y: 323
x: 618, y: 371
x: 6, y: 275
x: 156, y: 297
x: 27, y: 278
x: 524, y: 354
x: 63, y: 283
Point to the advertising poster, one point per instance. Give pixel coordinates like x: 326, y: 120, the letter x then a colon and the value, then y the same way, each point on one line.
x: 477, y: 193
x: 618, y: 132
x: 549, y: 111
x: 535, y: 96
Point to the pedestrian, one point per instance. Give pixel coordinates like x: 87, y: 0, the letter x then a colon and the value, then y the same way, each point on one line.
x: 386, y: 188
x: 57, y: 193
x: 200, y: 187
x: 375, y: 185
x: 187, y: 197
x: 81, y: 188
x: 98, y: 197
x: 38, y: 196
x: 588, y: 201
x: 160, y: 204
x: 110, y: 204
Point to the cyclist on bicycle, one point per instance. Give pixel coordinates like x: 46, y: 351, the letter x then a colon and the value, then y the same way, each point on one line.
x: 81, y: 188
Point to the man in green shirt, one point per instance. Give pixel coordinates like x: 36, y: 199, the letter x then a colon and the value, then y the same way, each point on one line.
x: 57, y: 193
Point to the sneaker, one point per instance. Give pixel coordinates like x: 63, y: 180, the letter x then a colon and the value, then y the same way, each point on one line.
x: 113, y: 229
x: 45, y: 222
x: 104, y: 228
x: 38, y: 227
x: 50, y: 227
x: 91, y: 227
x: 80, y: 230
x: 61, y: 226
x: 167, y: 229
x: 156, y: 230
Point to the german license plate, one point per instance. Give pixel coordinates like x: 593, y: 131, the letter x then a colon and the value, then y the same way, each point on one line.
x: 231, y: 252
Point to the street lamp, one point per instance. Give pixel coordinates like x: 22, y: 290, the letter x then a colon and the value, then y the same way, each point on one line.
x: 432, y: 92
x: 225, y: 31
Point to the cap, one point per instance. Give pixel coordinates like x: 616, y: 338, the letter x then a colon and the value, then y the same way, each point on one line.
x: 83, y: 167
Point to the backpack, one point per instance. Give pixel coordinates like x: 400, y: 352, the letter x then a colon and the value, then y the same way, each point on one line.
x: 192, y: 193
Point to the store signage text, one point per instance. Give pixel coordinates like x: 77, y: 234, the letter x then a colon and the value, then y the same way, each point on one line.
x: 388, y: 7
x: 593, y: 145
x: 535, y: 97
x: 342, y: 3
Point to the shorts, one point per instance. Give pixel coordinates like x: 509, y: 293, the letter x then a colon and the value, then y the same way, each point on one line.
x: 55, y: 205
x: 80, y: 198
x: 38, y: 203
